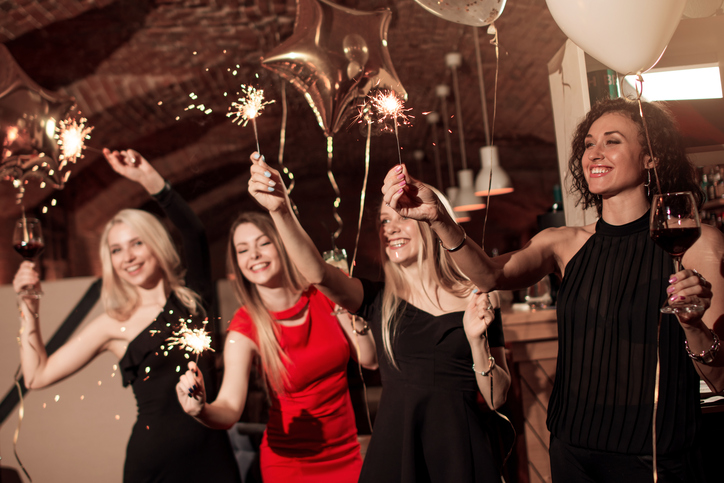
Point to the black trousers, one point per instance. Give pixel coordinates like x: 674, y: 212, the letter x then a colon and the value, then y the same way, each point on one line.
x: 579, y: 465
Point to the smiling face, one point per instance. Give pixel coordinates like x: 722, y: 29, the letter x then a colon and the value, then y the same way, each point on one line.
x: 256, y: 255
x: 400, y: 236
x: 131, y: 258
x: 612, y: 162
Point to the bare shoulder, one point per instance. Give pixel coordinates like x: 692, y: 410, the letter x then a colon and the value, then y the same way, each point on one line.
x: 708, y: 249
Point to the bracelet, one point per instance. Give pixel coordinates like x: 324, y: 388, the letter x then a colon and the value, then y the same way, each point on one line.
x: 354, y: 328
x: 707, y: 356
x: 460, y: 245
x: 490, y: 368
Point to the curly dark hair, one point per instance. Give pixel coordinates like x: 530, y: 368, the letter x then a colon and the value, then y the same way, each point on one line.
x: 675, y: 171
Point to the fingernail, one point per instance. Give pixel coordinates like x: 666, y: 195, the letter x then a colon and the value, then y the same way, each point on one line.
x: 398, y: 169
x: 255, y: 155
x: 475, y: 290
x: 403, y: 182
x: 190, y: 395
x: 267, y: 174
x: 682, y: 297
x: 670, y: 289
x: 270, y: 189
x: 400, y: 190
x: 194, y: 388
x: 196, y: 373
x: 402, y: 176
x: 272, y: 183
x: 673, y: 298
x: 672, y: 280
x: 263, y: 159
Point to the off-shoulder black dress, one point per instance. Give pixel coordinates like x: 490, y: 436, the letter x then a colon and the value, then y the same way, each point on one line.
x: 429, y: 426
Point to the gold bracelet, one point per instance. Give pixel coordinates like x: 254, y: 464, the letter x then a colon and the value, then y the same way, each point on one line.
x: 459, y: 246
x: 705, y: 357
x: 490, y: 368
x: 364, y: 330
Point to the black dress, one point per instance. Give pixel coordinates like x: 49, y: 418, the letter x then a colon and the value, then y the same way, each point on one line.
x: 429, y: 426
x: 608, y: 311
x: 166, y: 444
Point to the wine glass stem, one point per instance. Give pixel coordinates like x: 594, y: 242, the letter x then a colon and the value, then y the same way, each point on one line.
x: 677, y: 264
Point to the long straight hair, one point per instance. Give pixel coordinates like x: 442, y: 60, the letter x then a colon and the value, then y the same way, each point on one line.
x: 120, y: 298
x: 270, y: 351
x: 432, y: 259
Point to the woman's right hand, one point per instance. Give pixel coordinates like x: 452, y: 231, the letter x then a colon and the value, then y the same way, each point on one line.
x: 191, y: 391
x: 27, y: 276
x: 410, y: 197
x: 266, y: 185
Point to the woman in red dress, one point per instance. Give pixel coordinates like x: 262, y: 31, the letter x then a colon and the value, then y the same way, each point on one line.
x: 304, y: 349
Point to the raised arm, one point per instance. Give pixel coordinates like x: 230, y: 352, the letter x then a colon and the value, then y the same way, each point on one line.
x: 40, y: 370
x: 413, y: 199
x: 706, y: 282
x: 491, y: 368
x: 226, y: 410
x: 267, y: 188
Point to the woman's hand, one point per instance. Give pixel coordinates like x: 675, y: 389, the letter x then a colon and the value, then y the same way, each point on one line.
x: 191, y: 391
x: 479, y: 314
x: 131, y: 165
x: 409, y: 197
x: 266, y: 185
x: 25, y: 277
x: 687, y: 287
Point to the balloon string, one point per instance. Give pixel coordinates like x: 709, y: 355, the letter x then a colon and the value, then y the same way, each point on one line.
x: 639, y: 93
x: 494, y: 42
x: 282, y: 145
x: 656, y: 396
x: 16, y: 435
x: 362, y: 196
x: 333, y: 182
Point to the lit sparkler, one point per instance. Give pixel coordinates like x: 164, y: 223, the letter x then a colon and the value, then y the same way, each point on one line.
x: 195, y: 341
x: 248, y: 107
x: 71, y: 135
x: 387, y: 106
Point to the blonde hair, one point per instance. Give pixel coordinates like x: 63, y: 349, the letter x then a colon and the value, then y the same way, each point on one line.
x: 120, y: 298
x: 270, y: 351
x: 445, y: 274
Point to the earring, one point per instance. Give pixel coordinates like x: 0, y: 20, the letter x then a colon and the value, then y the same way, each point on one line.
x: 648, y: 182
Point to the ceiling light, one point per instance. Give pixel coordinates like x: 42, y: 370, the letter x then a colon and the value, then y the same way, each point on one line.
x: 500, y: 183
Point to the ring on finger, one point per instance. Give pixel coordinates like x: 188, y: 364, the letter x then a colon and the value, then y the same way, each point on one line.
x: 701, y: 277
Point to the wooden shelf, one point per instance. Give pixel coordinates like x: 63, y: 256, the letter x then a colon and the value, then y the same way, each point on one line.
x: 717, y: 203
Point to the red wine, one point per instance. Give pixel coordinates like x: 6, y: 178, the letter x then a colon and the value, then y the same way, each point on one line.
x: 29, y: 250
x: 676, y: 240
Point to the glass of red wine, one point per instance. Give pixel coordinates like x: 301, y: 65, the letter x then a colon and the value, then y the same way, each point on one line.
x: 674, y: 225
x: 28, y: 242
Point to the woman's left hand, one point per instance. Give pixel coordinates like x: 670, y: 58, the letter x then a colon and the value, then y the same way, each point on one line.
x: 410, y: 197
x: 131, y: 165
x: 479, y: 314
x: 689, y: 286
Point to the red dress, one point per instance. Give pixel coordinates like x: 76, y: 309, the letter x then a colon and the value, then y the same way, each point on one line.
x: 311, y: 434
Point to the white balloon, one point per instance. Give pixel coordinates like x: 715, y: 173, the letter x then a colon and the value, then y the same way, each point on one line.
x: 468, y: 12
x: 628, y: 36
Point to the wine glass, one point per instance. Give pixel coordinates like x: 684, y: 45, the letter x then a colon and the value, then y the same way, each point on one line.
x: 674, y: 225
x: 28, y: 242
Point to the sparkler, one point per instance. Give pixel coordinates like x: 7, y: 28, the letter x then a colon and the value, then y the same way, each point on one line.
x: 388, y: 106
x: 195, y: 341
x: 248, y: 108
x: 71, y: 135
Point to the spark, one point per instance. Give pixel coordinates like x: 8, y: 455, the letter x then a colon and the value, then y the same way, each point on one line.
x: 71, y: 135
x: 389, y: 107
x: 249, y: 106
x: 195, y: 341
